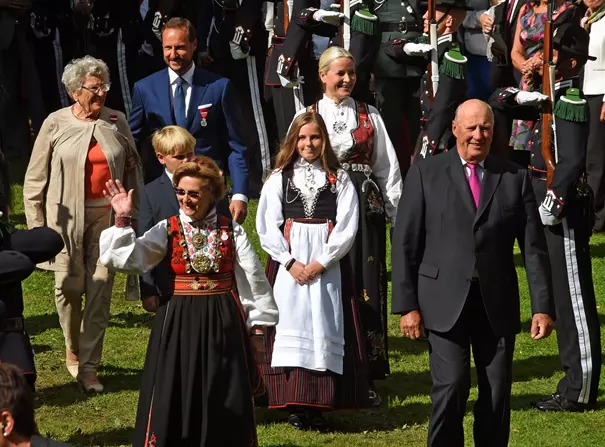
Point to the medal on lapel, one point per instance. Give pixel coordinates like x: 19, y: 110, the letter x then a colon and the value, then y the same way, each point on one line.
x: 203, y: 114
x: 332, y: 180
x: 114, y: 121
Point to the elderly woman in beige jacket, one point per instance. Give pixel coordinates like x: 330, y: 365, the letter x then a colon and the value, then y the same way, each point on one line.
x: 77, y: 150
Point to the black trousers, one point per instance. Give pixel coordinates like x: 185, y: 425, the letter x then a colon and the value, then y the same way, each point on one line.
x: 399, y: 103
x: 595, y: 158
x: 578, y: 330
x: 450, y: 360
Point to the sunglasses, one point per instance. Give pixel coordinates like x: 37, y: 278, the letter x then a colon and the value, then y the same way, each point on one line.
x: 193, y: 194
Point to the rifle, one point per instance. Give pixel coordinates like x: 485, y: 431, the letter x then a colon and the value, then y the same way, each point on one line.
x: 345, y: 28
x: 548, y: 75
x: 433, y: 73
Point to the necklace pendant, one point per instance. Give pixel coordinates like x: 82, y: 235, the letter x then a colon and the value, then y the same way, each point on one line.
x: 198, y: 241
x: 204, y: 123
x: 333, y: 189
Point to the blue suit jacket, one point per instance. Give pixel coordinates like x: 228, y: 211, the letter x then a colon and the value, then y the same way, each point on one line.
x: 158, y: 202
x: 221, y: 139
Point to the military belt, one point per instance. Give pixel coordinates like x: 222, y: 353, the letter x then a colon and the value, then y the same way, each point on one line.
x: 404, y: 27
x: 12, y: 324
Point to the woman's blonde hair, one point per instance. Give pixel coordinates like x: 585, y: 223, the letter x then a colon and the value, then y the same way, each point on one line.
x: 172, y: 140
x: 288, y: 153
x: 330, y: 55
x: 205, y: 169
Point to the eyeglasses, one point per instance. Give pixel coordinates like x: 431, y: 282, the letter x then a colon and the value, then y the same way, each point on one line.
x: 193, y: 194
x: 95, y: 89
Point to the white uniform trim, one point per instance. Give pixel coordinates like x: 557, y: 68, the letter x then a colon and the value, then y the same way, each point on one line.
x: 123, y: 74
x: 577, y: 305
x: 259, y: 118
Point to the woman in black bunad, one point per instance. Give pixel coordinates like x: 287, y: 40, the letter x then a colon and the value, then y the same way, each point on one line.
x: 306, y: 221
x: 199, y: 375
x: 362, y: 145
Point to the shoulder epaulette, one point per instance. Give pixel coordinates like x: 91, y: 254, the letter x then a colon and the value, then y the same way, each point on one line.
x: 571, y: 106
x: 365, y: 22
x: 453, y: 63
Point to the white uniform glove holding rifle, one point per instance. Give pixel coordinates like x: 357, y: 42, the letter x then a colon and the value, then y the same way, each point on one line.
x: 530, y: 98
x: 329, y: 17
x: 417, y: 49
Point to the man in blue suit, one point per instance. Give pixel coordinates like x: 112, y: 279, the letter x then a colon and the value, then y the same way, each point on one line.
x: 197, y: 100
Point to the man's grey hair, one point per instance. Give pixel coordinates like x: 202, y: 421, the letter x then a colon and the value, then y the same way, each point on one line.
x: 76, y: 72
x: 491, y: 112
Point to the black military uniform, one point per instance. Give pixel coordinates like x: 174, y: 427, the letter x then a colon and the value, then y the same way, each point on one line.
x: 20, y: 251
x: 293, y: 57
x: 397, y: 76
x: 115, y: 36
x: 20, y: 92
x: 568, y: 213
x: 55, y: 43
x: 226, y: 24
x: 436, y: 125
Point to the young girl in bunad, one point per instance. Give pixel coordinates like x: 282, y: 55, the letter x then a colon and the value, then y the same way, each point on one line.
x: 306, y: 221
x: 199, y: 374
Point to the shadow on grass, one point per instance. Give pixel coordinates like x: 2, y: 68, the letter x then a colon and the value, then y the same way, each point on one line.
x: 41, y: 348
x: 130, y: 319
x: 115, y: 379
x: 37, y: 324
x: 119, y: 436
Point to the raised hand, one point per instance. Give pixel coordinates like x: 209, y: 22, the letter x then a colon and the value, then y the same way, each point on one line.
x: 121, y: 201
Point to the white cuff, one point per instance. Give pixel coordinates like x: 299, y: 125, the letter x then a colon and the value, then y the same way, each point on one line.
x: 284, y: 258
x: 241, y: 197
x: 325, y: 260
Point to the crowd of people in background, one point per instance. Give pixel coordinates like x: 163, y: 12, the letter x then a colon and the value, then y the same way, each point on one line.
x: 391, y: 122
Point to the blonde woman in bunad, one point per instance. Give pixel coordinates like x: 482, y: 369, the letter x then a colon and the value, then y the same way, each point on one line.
x: 306, y: 221
x: 200, y: 374
x: 361, y: 143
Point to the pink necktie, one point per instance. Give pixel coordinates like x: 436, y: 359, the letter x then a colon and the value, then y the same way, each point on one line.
x: 474, y: 183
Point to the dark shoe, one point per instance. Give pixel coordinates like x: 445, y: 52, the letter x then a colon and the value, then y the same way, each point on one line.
x: 374, y: 398
x: 297, y: 420
x: 557, y: 402
x: 316, y: 421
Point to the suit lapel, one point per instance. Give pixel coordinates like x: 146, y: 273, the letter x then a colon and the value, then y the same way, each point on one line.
x: 197, y: 93
x: 169, y: 192
x: 163, y: 95
x: 460, y: 181
x: 491, y: 179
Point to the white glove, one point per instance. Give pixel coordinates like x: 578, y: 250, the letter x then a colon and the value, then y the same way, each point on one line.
x: 417, y: 49
x: 236, y: 51
x: 329, y: 17
x: 291, y: 83
x: 530, y: 98
x: 548, y: 219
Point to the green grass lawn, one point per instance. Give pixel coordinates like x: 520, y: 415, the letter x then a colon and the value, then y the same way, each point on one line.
x: 65, y: 413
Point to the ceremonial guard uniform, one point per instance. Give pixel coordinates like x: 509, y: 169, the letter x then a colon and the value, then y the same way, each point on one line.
x: 53, y: 34
x: 436, y: 125
x: 292, y: 57
x: 397, y: 75
x: 20, y: 251
x: 568, y: 203
x: 233, y: 34
x: 359, y: 138
x: 115, y: 36
x: 200, y: 373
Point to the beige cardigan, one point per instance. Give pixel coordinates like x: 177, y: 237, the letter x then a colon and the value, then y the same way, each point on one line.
x: 53, y: 192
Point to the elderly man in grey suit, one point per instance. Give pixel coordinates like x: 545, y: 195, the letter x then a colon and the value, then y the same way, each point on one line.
x: 454, y: 275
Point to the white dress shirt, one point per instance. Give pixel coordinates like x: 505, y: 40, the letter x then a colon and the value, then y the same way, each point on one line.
x: 594, y: 71
x: 188, y: 78
x: 384, y: 163
x: 480, y: 169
